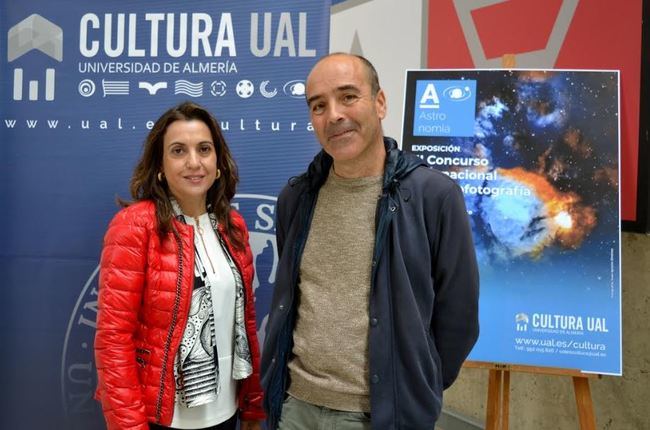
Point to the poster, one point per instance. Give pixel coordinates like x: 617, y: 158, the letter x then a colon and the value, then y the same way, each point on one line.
x: 81, y: 84
x: 536, y: 154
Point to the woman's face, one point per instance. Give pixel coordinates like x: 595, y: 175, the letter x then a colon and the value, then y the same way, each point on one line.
x: 189, y: 163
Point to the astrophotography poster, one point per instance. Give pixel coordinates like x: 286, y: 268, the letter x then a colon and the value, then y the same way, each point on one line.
x: 536, y: 154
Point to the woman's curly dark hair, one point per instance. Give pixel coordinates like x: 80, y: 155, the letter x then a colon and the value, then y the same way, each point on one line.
x: 145, y: 185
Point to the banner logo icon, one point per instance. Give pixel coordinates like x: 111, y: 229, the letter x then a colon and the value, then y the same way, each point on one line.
x: 152, y: 89
x: 295, y: 89
x: 521, y: 321
x: 86, y: 88
x: 191, y: 89
x: 34, y: 32
x: 115, y: 88
x: 218, y: 88
x: 266, y: 93
x: 245, y: 88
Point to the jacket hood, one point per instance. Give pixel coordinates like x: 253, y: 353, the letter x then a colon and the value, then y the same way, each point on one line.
x: 398, y: 165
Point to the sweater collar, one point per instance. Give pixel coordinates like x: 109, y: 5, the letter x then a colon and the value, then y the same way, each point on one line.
x: 398, y: 165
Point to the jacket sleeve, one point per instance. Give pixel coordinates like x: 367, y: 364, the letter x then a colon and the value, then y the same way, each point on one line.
x: 250, y: 391
x: 121, y: 283
x: 281, y: 219
x: 456, y: 283
x: 287, y: 207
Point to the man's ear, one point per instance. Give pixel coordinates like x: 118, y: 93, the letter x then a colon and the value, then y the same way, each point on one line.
x: 380, y: 104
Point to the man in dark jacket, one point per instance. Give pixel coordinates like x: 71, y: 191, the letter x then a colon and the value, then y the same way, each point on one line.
x: 375, y: 305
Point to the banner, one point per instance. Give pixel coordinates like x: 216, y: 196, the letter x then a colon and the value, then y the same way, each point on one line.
x: 81, y: 85
x: 536, y: 154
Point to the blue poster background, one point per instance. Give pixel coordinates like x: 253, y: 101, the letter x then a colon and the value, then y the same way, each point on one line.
x: 66, y: 155
x: 540, y: 178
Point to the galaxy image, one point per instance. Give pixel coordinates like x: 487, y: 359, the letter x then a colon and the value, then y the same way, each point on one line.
x: 556, y: 135
x: 540, y: 180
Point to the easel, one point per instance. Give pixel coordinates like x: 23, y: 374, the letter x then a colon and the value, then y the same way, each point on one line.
x: 498, y: 401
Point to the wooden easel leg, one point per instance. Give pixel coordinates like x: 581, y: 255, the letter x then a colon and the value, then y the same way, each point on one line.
x: 584, y: 403
x: 493, y: 400
x: 498, y: 400
x: 505, y: 400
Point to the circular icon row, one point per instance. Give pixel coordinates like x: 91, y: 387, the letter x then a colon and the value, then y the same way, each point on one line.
x: 244, y: 88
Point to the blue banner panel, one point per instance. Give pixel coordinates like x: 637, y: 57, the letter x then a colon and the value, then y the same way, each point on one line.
x: 540, y: 175
x: 81, y: 84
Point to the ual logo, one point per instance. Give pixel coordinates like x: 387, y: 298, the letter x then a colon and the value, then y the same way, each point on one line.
x: 521, y: 321
x: 34, y: 32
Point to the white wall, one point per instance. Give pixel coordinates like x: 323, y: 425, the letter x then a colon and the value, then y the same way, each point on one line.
x: 392, y: 35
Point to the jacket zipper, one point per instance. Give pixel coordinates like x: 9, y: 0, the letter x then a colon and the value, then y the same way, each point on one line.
x: 297, y: 255
x: 172, y: 326
x: 381, y: 220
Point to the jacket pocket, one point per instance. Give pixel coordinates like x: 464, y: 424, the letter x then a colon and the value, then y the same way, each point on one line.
x: 437, y: 365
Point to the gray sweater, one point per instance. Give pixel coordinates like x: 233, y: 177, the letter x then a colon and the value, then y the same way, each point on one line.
x: 330, y: 352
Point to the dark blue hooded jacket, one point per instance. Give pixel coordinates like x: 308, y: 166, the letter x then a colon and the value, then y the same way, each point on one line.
x: 423, y: 316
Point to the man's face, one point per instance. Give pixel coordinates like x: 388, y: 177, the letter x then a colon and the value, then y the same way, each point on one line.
x: 345, y: 115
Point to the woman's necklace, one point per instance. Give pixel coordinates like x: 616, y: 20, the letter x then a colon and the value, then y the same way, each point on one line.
x: 200, y: 230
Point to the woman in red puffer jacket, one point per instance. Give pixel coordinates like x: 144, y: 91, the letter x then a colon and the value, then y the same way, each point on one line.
x: 176, y: 343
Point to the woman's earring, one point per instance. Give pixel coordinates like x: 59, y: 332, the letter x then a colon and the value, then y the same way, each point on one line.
x: 160, y: 176
x: 218, y: 174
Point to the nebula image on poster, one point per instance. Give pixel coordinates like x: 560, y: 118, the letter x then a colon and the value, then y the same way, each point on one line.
x: 548, y: 161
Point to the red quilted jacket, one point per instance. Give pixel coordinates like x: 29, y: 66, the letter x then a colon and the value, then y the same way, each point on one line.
x: 145, y: 288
